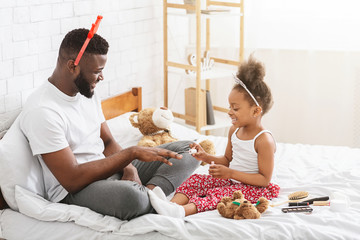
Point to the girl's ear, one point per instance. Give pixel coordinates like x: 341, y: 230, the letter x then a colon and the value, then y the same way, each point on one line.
x: 257, y: 111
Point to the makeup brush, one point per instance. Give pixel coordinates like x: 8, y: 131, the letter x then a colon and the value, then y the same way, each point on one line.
x: 311, y: 201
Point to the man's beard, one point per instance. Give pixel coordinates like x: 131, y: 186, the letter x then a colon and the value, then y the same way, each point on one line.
x: 83, y: 86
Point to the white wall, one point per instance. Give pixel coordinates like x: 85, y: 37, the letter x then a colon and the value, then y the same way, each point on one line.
x: 31, y: 32
x: 306, y: 24
x: 316, y: 96
x: 310, y: 48
x: 312, y: 55
x: 311, y: 52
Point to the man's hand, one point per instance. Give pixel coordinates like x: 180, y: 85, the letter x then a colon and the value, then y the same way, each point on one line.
x: 130, y: 173
x: 151, y: 154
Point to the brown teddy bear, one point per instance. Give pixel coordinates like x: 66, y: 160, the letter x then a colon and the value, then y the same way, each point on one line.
x: 238, y: 207
x: 154, y: 124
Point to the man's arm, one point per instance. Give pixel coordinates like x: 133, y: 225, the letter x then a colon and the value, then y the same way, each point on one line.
x: 111, y: 147
x: 74, y: 177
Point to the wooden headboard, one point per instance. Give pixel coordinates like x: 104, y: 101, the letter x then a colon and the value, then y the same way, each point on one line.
x: 112, y: 107
x: 122, y: 103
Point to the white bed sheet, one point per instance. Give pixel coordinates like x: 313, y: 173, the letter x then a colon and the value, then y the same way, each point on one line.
x: 16, y: 226
x: 320, y: 170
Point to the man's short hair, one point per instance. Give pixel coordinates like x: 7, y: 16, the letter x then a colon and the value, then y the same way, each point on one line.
x: 74, y: 40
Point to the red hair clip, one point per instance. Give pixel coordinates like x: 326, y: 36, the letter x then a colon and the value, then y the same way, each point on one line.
x: 93, y: 30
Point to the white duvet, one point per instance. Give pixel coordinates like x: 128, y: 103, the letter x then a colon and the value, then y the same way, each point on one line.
x: 320, y: 170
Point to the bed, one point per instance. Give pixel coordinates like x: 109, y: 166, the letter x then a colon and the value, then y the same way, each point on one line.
x: 332, y: 171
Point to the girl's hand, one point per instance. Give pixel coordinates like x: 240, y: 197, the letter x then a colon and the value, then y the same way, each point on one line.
x: 200, y: 154
x: 219, y: 171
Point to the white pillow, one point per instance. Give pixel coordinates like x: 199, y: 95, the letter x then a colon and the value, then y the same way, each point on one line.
x: 6, y: 120
x: 183, y: 133
x: 18, y: 166
x: 35, y: 206
x: 127, y: 135
x: 123, y: 132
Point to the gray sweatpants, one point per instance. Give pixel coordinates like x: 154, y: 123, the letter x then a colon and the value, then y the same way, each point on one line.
x: 127, y: 199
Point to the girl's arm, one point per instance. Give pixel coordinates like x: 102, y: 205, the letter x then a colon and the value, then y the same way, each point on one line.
x: 265, y: 147
x: 225, y: 160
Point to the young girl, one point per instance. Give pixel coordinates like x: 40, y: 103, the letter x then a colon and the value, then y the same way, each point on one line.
x: 249, y: 157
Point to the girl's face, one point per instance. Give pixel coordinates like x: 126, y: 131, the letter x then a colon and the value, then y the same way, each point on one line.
x: 240, y: 111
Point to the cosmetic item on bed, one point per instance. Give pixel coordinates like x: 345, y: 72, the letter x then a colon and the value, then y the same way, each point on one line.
x: 338, y: 205
x: 293, y: 197
x: 339, y: 202
x: 321, y: 203
x: 311, y: 201
x: 292, y: 204
x: 298, y: 195
x: 297, y: 209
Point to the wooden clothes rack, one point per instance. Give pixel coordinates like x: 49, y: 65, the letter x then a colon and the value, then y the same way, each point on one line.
x: 197, y: 68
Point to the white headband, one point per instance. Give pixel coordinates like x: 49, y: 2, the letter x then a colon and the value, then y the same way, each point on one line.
x: 238, y: 81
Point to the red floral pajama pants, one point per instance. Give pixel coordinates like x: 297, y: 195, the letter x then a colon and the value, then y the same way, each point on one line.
x: 206, y: 191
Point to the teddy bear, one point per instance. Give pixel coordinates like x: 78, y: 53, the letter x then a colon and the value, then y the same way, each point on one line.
x: 238, y: 207
x: 154, y: 124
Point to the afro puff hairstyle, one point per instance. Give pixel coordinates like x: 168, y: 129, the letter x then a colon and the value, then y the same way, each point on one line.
x: 252, y: 73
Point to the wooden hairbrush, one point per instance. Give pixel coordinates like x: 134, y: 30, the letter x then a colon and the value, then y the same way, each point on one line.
x: 293, y: 197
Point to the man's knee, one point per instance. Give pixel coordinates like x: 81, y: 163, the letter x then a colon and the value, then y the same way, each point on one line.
x: 133, y: 201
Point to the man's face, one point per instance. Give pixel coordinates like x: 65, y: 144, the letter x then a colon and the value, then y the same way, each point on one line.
x: 90, y: 74
x: 83, y: 86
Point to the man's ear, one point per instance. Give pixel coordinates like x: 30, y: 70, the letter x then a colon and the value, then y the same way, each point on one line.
x: 70, y: 64
x: 257, y: 111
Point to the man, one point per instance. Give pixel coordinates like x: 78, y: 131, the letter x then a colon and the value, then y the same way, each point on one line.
x: 82, y: 163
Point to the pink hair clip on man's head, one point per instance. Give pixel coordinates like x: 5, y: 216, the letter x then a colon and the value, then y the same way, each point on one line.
x: 93, y: 30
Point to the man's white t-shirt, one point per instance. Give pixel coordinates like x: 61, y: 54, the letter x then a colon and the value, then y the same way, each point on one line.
x: 52, y: 121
